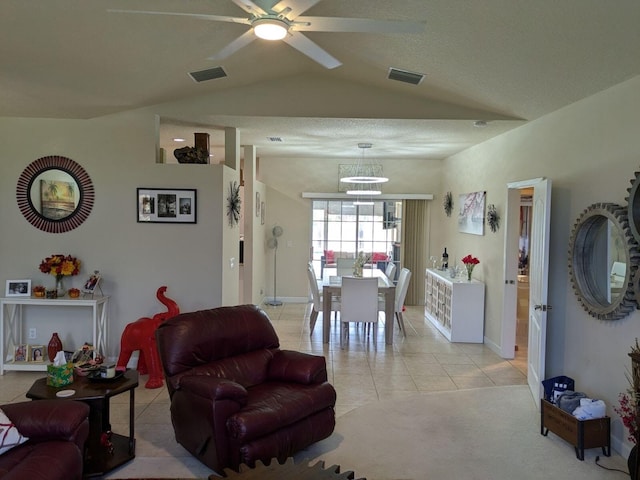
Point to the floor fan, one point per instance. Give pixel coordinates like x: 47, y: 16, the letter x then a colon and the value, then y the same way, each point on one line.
x: 273, y: 244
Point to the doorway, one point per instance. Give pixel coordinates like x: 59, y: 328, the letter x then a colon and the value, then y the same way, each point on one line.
x: 522, y: 297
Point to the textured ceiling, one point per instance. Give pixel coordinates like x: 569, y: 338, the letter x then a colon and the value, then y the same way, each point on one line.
x: 502, y: 61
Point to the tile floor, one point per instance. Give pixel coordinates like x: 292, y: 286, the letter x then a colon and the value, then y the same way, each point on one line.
x: 362, y: 372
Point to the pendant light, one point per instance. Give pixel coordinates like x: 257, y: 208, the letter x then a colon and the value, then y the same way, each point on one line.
x: 366, y: 173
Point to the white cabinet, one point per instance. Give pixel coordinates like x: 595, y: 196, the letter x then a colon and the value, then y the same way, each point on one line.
x: 12, y: 331
x: 455, y: 306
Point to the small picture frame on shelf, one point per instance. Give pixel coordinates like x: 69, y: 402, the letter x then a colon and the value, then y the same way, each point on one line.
x: 36, y: 353
x: 18, y: 288
x: 20, y: 353
x: 92, y: 283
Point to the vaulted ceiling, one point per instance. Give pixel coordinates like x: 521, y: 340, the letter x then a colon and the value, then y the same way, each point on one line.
x: 503, y: 62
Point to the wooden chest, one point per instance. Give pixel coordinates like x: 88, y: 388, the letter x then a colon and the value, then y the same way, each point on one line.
x: 579, y: 433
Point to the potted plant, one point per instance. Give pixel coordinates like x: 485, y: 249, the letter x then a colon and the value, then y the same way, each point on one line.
x: 627, y: 410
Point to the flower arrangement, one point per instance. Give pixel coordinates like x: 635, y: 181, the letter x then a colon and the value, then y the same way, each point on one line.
x: 60, y: 266
x: 361, y: 260
x: 470, y: 262
x: 628, y: 400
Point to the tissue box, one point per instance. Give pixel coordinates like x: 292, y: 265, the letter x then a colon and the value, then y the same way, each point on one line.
x: 59, y: 376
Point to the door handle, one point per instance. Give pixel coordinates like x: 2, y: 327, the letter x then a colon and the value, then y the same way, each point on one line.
x: 544, y: 308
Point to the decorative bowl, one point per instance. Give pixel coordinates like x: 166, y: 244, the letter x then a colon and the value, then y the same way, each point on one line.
x: 74, y: 292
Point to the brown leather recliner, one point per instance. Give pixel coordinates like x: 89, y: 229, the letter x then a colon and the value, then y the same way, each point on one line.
x: 57, y: 431
x: 235, y: 396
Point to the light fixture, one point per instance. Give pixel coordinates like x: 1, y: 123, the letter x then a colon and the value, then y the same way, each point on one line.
x: 364, y: 192
x: 363, y: 202
x: 365, y: 173
x: 270, y: 28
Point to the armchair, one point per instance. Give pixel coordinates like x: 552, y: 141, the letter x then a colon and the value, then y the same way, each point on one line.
x: 57, y: 431
x: 235, y: 396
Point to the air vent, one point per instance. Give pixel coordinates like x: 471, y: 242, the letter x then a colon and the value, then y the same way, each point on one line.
x: 209, y: 74
x: 274, y: 139
x: 404, y: 76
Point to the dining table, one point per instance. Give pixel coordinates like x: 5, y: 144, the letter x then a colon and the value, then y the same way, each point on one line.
x: 332, y: 287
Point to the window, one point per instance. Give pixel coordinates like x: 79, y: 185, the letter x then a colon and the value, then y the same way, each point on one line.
x: 346, y: 229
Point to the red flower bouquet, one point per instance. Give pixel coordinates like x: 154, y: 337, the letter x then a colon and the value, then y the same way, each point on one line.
x: 470, y: 262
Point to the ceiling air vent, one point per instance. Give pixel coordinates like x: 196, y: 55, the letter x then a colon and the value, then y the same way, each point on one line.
x: 274, y: 139
x: 404, y: 76
x: 209, y: 74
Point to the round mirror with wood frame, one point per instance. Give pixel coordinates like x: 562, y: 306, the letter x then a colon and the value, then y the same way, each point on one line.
x: 603, y: 261
x: 55, y: 194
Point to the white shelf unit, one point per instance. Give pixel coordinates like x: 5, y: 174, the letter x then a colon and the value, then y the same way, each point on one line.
x: 455, y: 306
x: 11, y: 325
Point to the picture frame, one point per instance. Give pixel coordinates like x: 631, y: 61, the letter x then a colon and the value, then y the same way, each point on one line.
x: 92, y: 283
x: 167, y: 205
x: 18, y: 288
x: 36, y: 353
x: 471, y: 213
x: 20, y: 353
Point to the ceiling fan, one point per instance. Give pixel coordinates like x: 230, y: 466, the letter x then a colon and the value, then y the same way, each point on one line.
x: 281, y: 20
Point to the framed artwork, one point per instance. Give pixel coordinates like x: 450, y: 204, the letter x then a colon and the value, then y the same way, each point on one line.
x: 471, y: 213
x: 262, y: 213
x: 36, y: 353
x: 257, y: 204
x: 92, y: 283
x: 20, y: 353
x: 18, y: 288
x: 163, y: 205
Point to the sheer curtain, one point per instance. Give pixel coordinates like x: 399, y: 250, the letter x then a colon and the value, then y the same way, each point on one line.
x: 415, y: 236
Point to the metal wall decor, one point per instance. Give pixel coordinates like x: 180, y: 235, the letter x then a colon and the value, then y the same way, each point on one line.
x: 493, y: 218
x: 233, y: 204
x: 448, y: 203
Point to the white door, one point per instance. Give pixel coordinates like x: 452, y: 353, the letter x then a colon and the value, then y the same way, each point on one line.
x: 538, y: 282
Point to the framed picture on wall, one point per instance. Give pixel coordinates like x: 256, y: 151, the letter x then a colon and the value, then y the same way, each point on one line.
x: 471, y: 213
x: 18, y: 288
x: 163, y: 205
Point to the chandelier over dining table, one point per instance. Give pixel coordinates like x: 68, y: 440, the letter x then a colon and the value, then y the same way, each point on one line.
x: 366, y: 178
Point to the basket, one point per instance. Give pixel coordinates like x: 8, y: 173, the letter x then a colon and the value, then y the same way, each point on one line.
x: 555, y: 386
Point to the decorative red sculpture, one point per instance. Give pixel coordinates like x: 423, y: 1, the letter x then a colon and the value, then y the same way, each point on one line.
x: 140, y: 335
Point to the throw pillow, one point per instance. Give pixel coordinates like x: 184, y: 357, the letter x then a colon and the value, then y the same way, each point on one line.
x: 9, y: 435
x: 379, y: 257
x: 329, y: 256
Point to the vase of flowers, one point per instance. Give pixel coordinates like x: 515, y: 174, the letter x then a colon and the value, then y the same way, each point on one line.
x: 627, y: 410
x: 469, y: 264
x: 60, y: 266
x: 359, y: 264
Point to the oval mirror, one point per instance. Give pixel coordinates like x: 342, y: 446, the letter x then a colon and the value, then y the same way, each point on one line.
x: 55, y: 194
x: 603, y: 257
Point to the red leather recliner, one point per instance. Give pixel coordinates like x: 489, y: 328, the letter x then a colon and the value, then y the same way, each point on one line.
x: 235, y: 396
x: 57, y: 431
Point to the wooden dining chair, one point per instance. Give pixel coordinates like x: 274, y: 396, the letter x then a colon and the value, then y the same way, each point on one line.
x: 358, y: 303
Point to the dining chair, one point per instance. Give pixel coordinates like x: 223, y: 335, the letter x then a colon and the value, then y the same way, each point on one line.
x: 344, y: 266
x: 390, y: 271
x: 316, y: 299
x: 401, y: 292
x: 358, y: 303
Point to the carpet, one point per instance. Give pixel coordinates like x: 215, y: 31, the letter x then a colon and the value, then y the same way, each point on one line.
x: 485, y: 433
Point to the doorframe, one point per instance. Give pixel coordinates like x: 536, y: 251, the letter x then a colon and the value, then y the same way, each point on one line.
x: 510, y: 261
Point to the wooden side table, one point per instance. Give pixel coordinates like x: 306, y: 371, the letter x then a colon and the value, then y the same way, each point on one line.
x: 98, y: 459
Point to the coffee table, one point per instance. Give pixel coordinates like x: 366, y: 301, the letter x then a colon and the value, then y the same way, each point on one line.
x: 98, y: 460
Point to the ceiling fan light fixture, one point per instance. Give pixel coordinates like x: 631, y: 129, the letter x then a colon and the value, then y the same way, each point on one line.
x: 270, y: 28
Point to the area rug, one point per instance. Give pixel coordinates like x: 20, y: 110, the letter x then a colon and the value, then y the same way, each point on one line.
x: 486, y: 433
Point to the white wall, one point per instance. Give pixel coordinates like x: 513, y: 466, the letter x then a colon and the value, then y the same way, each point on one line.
x: 118, y: 152
x: 590, y: 150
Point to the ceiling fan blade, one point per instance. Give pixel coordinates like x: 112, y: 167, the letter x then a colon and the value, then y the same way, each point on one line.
x: 336, y: 24
x: 242, y: 41
x: 311, y: 50
x: 250, y: 7
x: 295, y: 7
x: 200, y: 16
